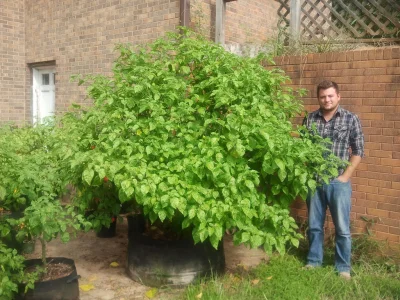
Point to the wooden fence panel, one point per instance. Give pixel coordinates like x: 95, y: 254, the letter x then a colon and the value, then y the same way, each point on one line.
x: 343, y: 19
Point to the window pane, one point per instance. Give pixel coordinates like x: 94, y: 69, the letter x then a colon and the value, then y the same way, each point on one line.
x: 45, y: 79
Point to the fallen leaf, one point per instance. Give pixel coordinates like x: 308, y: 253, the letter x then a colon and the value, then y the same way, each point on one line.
x: 244, y: 267
x: 86, y: 287
x: 235, y: 278
x: 114, y: 264
x: 199, y: 296
x: 269, y: 278
x: 151, y: 293
x: 92, y: 278
x: 255, y: 281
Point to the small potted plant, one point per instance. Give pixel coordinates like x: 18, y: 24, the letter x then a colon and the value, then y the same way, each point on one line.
x: 32, y: 188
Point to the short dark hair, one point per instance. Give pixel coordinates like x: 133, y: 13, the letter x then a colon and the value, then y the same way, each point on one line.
x: 326, y: 84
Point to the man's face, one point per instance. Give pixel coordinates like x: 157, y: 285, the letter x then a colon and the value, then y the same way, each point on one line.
x: 328, y: 99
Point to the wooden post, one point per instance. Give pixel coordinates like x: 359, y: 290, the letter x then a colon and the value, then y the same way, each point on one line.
x: 295, y: 20
x: 220, y: 22
x: 184, y: 18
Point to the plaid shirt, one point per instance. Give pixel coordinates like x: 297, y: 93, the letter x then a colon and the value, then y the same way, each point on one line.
x: 344, y: 130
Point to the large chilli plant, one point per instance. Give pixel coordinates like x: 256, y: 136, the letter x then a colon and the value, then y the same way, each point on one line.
x: 187, y: 131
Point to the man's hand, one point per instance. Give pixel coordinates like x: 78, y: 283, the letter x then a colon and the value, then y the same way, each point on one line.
x: 343, y: 178
x: 354, y: 161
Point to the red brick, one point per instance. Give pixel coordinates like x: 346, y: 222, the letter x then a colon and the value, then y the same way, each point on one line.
x: 393, y: 101
x: 366, y: 203
x: 380, y: 168
x: 390, y: 192
x: 391, y: 147
x: 359, y: 209
x: 381, y: 228
x: 394, y: 230
x: 383, y: 199
x: 390, y: 222
x: 372, y: 116
x: 389, y: 207
x: 394, y: 215
x: 377, y: 212
x: 384, y: 94
x: 358, y: 195
x: 387, y: 236
x: 362, y: 166
x: 367, y: 189
x: 390, y: 162
x: 380, y: 183
x: 390, y: 131
x: 383, y: 109
x: 386, y: 124
x: 381, y: 153
x: 372, y: 160
x: 372, y: 131
x: 392, y: 117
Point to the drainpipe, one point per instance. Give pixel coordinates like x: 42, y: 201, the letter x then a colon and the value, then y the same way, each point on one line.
x: 184, y: 16
x: 220, y: 12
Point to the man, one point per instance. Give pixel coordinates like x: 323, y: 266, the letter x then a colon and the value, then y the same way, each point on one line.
x: 343, y: 128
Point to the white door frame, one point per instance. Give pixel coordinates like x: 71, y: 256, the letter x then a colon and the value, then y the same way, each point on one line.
x: 43, y: 93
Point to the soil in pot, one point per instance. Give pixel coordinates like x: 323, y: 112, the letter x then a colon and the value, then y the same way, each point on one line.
x: 59, y: 282
x: 163, y: 261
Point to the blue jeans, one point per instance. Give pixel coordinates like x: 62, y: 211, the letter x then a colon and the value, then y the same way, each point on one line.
x: 337, y: 196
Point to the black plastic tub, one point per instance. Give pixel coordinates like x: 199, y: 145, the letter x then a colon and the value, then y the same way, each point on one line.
x: 108, y: 232
x: 178, y: 263
x: 65, y: 288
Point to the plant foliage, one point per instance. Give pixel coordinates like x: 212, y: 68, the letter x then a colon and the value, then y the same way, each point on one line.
x: 189, y: 130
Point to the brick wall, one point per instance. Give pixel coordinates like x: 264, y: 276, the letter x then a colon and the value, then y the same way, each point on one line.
x: 12, y: 61
x: 80, y: 36
x: 370, y: 87
x: 247, y: 21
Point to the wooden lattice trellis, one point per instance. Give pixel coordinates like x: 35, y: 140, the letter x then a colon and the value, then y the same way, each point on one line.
x: 353, y: 20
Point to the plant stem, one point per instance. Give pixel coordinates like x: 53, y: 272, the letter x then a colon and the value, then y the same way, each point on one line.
x: 43, y: 242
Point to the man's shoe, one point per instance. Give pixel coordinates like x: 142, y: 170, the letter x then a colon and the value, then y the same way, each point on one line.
x: 308, y: 267
x: 345, y: 275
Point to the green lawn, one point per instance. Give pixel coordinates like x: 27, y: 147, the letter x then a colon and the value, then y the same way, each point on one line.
x: 375, y: 275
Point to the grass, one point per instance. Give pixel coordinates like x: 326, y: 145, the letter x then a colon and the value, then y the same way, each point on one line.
x: 375, y: 275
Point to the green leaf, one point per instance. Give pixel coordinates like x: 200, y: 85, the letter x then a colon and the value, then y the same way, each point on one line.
x: 127, y: 188
x: 249, y: 184
x: 256, y: 241
x: 186, y: 223
x: 144, y: 189
x: 280, y: 164
x: 149, y: 150
x: 192, y: 213
x: 210, y: 165
x: 65, y: 237
x: 162, y: 215
x: 245, y: 237
x: 214, y: 241
x: 185, y: 70
x: 87, y: 176
x: 3, y: 193
x: 295, y: 242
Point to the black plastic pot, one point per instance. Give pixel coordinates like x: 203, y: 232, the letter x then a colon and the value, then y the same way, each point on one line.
x: 65, y: 288
x: 158, y: 263
x: 28, y: 246
x: 108, y: 232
